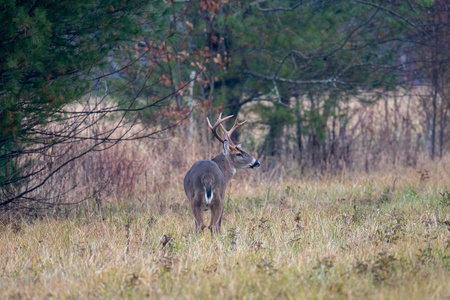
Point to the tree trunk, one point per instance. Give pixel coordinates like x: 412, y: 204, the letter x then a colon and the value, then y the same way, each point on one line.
x: 299, y: 129
x: 433, y: 124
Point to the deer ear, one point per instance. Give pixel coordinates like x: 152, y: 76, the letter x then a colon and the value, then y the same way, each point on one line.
x: 226, y: 147
x: 239, y: 145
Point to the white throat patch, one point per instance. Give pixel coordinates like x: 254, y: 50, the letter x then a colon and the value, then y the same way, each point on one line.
x: 234, y: 171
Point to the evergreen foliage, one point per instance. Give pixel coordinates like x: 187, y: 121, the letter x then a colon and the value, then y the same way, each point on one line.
x: 50, y: 55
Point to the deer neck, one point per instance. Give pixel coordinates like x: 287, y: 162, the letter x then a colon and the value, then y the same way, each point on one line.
x: 224, y: 163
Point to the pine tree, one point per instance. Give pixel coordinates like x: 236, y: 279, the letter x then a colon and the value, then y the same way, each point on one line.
x: 50, y: 55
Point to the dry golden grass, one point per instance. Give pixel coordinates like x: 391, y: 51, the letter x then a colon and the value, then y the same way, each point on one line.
x: 136, y: 169
x: 371, y: 236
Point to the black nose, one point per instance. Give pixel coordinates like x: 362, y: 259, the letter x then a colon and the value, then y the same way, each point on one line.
x: 255, y: 165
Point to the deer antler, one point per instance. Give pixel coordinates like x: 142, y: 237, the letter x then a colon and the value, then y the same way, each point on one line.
x: 218, y: 122
x: 229, y: 132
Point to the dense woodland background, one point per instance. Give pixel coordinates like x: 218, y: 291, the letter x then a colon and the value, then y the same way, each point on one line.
x: 108, y: 98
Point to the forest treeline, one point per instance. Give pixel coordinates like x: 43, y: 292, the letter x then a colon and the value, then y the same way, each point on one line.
x: 324, y: 84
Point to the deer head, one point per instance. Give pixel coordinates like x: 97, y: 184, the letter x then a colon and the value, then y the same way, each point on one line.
x: 240, y: 159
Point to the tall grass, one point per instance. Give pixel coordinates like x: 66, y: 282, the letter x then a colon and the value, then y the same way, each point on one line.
x: 154, y: 168
x: 371, y: 236
x: 287, y: 233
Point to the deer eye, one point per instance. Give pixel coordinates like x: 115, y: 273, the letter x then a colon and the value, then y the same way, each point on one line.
x: 239, y: 154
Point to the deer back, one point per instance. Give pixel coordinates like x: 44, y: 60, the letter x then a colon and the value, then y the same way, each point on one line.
x: 203, y: 176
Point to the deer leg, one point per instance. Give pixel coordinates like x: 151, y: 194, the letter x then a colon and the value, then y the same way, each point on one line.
x: 198, y: 217
x: 219, y: 222
x: 216, y: 218
x: 219, y: 219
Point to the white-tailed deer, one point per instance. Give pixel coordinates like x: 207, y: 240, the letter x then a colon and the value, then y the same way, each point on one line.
x: 206, y: 181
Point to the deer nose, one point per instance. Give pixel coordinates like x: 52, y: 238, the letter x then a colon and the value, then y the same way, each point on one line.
x: 256, y: 164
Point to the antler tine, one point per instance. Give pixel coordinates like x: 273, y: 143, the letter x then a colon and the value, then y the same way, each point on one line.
x: 236, y: 125
x: 218, y: 122
x: 229, y: 132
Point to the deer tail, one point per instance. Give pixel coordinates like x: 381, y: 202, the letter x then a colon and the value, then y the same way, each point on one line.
x: 207, y: 181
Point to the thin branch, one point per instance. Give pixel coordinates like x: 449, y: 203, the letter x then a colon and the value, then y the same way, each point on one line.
x: 390, y: 12
x: 258, y: 2
x: 276, y: 78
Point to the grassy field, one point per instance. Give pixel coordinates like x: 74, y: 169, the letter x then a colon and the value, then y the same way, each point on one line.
x: 371, y: 236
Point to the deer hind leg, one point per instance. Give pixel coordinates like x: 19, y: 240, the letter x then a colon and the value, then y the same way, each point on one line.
x: 219, y: 222
x: 198, y: 217
x: 216, y: 219
x: 220, y: 212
